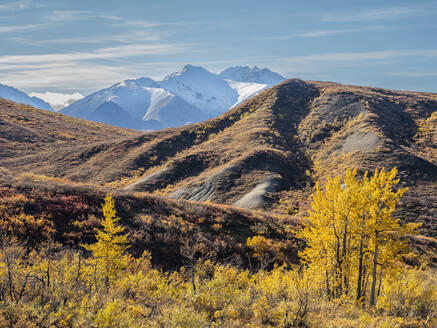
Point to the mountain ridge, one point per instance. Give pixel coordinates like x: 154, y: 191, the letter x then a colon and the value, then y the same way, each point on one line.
x: 193, y: 95
x: 15, y: 95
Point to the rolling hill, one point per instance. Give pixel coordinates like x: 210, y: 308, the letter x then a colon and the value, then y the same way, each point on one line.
x: 273, y: 147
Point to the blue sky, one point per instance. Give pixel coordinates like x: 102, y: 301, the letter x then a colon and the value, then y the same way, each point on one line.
x: 82, y: 46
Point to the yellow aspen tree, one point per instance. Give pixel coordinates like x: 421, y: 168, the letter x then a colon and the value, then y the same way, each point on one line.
x: 109, y: 256
x: 385, y: 229
x: 351, y: 231
x: 362, y: 231
x: 329, y: 233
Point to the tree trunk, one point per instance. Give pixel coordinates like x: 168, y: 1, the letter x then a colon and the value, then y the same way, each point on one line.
x: 344, y: 261
x: 193, y: 280
x: 380, y: 281
x: 328, y: 290
x: 360, y: 271
x: 365, y: 281
x: 338, y: 271
x: 338, y: 274
x: 374, y: 271
x: 10, y: 279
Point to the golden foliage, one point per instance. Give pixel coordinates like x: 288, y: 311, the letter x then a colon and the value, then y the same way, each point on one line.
x: 109, y: 251
x: 352, y: 234
x: 110, y: 288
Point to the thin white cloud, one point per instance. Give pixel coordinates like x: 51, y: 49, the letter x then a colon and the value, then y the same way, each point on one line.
x: 80, y: 71
x: 150, y: 24
x: 373, y: 15
x: 328, y: 32
x: 19, y: 28
x: 131, y: 50
x: 66, y: 78
x: 118, y: 21
x: 58, y: 100
x: 18, y: 5
x: 132, y: 37
x: 360, y: 56
x: 11, y: 66
x: 320, y: 33
x: 74, y: 15
x: 84, y: 77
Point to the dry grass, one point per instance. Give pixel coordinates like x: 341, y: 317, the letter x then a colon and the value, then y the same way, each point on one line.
x: 155, y: 223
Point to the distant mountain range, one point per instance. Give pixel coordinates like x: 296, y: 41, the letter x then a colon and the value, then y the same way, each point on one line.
x: 188, y: 96
x: 18, y: 96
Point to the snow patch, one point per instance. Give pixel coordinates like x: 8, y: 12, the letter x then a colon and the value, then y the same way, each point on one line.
x: 245, y: 90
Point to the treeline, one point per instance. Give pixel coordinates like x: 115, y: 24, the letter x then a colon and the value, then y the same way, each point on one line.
x: 351, y: 275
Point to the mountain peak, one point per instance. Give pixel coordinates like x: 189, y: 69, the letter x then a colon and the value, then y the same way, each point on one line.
x: 205, y: 90
x: 189, y: 70
x: 143, y: 82
x: 254, y: 75
x: 189, y: 67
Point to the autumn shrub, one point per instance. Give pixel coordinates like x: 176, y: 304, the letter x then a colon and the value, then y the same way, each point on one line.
x: 102, y: 285
x: 14, y: 221
x: 411, y: 292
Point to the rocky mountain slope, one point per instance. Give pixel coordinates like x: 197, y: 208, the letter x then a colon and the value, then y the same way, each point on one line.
x: 15, y: 95
x: 274, y: 146
x: 188, y: 96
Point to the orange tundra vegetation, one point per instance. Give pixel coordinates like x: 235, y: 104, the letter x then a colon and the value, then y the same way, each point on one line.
x: 351, y: 274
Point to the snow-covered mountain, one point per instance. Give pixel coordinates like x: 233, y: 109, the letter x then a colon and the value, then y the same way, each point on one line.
x: 203, y: 89
x: 18, y: 96
x: 137, y: 104
x: 188, y: 96
x: 253, y: 75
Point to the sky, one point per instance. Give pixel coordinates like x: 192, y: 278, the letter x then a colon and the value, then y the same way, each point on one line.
x: 65, y: 49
